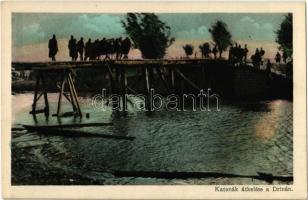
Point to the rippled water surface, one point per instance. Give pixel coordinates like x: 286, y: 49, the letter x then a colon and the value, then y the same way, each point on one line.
x: 240, y: 139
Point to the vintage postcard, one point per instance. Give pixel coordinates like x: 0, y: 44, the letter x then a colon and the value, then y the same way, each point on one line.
x: 144, y: 100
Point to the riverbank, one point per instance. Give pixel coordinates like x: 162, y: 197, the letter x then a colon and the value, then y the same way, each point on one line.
x: 32, y: 165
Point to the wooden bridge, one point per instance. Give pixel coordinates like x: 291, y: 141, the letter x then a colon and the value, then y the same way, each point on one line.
x: 116, y: 70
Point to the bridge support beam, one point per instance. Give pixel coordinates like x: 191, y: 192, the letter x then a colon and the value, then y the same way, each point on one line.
x: 172, y: 78
x: 40, y: 83
x: 148, y: 77
x: 123, y: 89
x: 66, y: 78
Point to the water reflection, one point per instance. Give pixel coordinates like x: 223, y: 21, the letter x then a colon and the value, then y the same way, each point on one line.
x: 267, y: 126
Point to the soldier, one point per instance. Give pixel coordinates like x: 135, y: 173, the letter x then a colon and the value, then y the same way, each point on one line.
x: 268, y: 69
x: 245, y: 53
x: 278, y: 57
x: 117, y: 45
x: 125, y: 47
x: 87, y: 52
x: 96, y: 50
x: 262, y: 52
x: 237, y: 53
x: 72, y: 48
x: 284, y: 57
x: 231, y: 52
x: 80, y: 47
x: 215, y: 51
x: 75, y: 50
x: 256, y: 58
x: 240, y: 54
x: 53, y: 47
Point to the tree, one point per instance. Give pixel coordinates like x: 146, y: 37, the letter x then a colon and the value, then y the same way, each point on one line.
x: 221, y: 36
x: 189, y: 49
x: 205, y: 49
x: 148, y: 34
x: 285, y: 36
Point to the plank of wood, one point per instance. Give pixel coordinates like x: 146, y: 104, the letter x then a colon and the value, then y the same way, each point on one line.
x: 187, y: 80
x: 73, y: 133
x: 69, y: 125
x: 98, y: 64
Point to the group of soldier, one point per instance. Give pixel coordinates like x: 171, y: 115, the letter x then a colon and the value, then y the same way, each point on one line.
x: 237, y: 54
x: 119, y: 48
x: 108, y: 48
x: 278, y: 57
x: 257, y: 57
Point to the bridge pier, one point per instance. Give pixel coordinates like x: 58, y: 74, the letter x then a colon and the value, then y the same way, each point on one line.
x: 40, y: 82
x: 66, y: 78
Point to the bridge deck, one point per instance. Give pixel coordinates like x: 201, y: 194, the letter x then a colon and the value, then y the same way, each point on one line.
x: 98, y: 64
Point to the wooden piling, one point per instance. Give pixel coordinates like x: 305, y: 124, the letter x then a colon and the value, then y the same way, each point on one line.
x: 187, y: 80
x: 112, y: 82
x: 37, y: 85
x: 70, y: 90
x: 123, y: 89
x: 45, y: 95
x: 60, y: 95
x: 172, y: 77
x: 147, y: 87
x: 74, y: 94
x: 40, y: 79
x: 161, y: 76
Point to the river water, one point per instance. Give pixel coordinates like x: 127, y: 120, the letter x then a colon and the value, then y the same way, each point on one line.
x: 242, y: 139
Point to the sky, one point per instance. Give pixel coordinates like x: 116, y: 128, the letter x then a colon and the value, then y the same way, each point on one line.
x: 30, y: 30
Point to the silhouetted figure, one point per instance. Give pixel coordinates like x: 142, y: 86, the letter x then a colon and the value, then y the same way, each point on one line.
x: 240, y: 54
x: 103, y: 47
x: 215, y: 51
x: 75, y: 50
x: 268, y: 69
x: 53, y: 47
x: 256, y: 58
x: 284, y: 57
x: 116, y: 46
x: 278, y: 57
x: 96, y: 50
x: 258, y: 55
x: 108, y: 48
x: 125, y: 47
x: 236, y: 54
x: 262, y: 52
x: 231, y: 52
x: 87, y: 52
x: 80, y: 48
x: 245, y: 53
x: 72, y: 46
